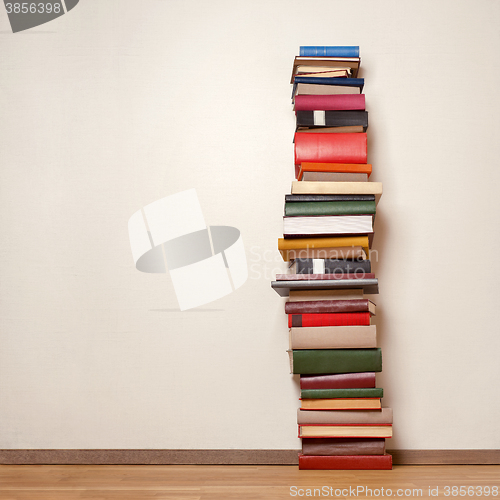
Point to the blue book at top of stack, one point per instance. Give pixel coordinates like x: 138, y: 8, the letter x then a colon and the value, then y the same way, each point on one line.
x: 329, y: 51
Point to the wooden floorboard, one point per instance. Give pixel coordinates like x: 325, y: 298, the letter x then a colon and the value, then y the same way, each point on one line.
x: 227, y: 457
x: 201, y: 482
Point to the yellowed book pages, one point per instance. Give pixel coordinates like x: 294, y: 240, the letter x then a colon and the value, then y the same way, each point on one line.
x: 372, y: 431
x: 333, y: 337
x: 301, y: 187
x: 340, y: 403
x: 308, y: 295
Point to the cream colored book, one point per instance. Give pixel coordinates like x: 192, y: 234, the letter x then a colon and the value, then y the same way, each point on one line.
x: 374, y: 417
x: 307, y: 295
x: 333, y: 337
x: 354, y: 431
x: 302, y: 187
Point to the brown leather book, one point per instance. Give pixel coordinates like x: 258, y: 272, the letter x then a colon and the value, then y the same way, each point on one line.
x: 343, y: 446
x: 338, y: 380
x: 330, y: 306
x: 310, y: 295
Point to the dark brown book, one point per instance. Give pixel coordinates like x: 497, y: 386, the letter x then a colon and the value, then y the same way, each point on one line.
x: 330, y: 306
x: 343, y: 446
x: 338, y: 380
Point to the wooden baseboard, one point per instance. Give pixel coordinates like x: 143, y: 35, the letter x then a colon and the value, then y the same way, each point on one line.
x: 228, y: 457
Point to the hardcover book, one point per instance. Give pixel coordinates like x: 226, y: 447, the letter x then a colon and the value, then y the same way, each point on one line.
x: 330, y: 266
x: 338, y: 380
x: 349, y: 431
x: 374, y: 417
x: 333, y: 337
x: 329, y: 319
x: 321, y: 361
x: 338, y: 462
x: 336, y: 404
x: 331, y: 102
x: 342, y: 446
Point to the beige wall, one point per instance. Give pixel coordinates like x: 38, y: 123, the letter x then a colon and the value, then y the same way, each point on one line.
x: 120, y: 103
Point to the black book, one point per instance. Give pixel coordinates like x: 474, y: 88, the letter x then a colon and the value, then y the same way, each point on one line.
x: 332, y: 266
x: 315, y: 119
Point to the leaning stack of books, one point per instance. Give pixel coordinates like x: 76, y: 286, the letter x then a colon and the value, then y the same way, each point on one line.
x: 328, y: 233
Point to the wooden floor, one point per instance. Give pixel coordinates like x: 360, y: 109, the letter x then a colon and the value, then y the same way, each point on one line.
x: 202, y: 482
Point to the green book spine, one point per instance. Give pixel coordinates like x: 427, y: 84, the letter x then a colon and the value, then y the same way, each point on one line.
x: 317, y: 361
x: 368, y: 392
x: 329, y: 208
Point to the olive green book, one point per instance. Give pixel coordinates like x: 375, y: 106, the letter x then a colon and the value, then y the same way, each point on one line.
x: 358, y: 392
x: 305, y: 208
x: 315, y: 361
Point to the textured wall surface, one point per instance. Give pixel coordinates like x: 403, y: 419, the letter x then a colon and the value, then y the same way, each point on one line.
x: 120, y: 103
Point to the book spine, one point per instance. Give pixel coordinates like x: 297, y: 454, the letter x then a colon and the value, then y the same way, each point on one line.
x: 335, y: 417
x: 333, y: 81
x: 333, y: 319
x: 321, y: 361
x: 343, y: 446
x: 333, y: 102
x: 330, y: 148
x: 320, y: 118
x: 338, y: 381
x: 347, y: 462
x: 329, y: 208
x: 373, y: 392
x: 327, y: 306
x: 333, y: 266
x: 329, y: 51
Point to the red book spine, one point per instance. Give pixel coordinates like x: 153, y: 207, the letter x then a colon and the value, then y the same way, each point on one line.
x: 307, y: 277
x: 329, y: 319
x: 330, y: 102
x: 345, y: 462
x: 327, y: 306
x: 330, y: 148
x: 338, y: 381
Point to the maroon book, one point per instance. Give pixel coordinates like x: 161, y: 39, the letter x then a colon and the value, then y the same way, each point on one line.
x: 310, y: 277
x: 327, y: 306
x: 345, y: 462
x: 338, y: 381
x: 329, y: 102
x: 329, y: 319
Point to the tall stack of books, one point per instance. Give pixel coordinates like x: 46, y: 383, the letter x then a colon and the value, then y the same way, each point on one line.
x: 328, y: 234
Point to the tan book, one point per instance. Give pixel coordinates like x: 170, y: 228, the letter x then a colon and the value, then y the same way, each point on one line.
x: 351, y: 129
x: 355, y: 431
x: 341, y: 404
x: 382, y: 416
x: 334, y: 177
x: 333, y: 337
x: 307, y: 295
x: 375, y: 188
